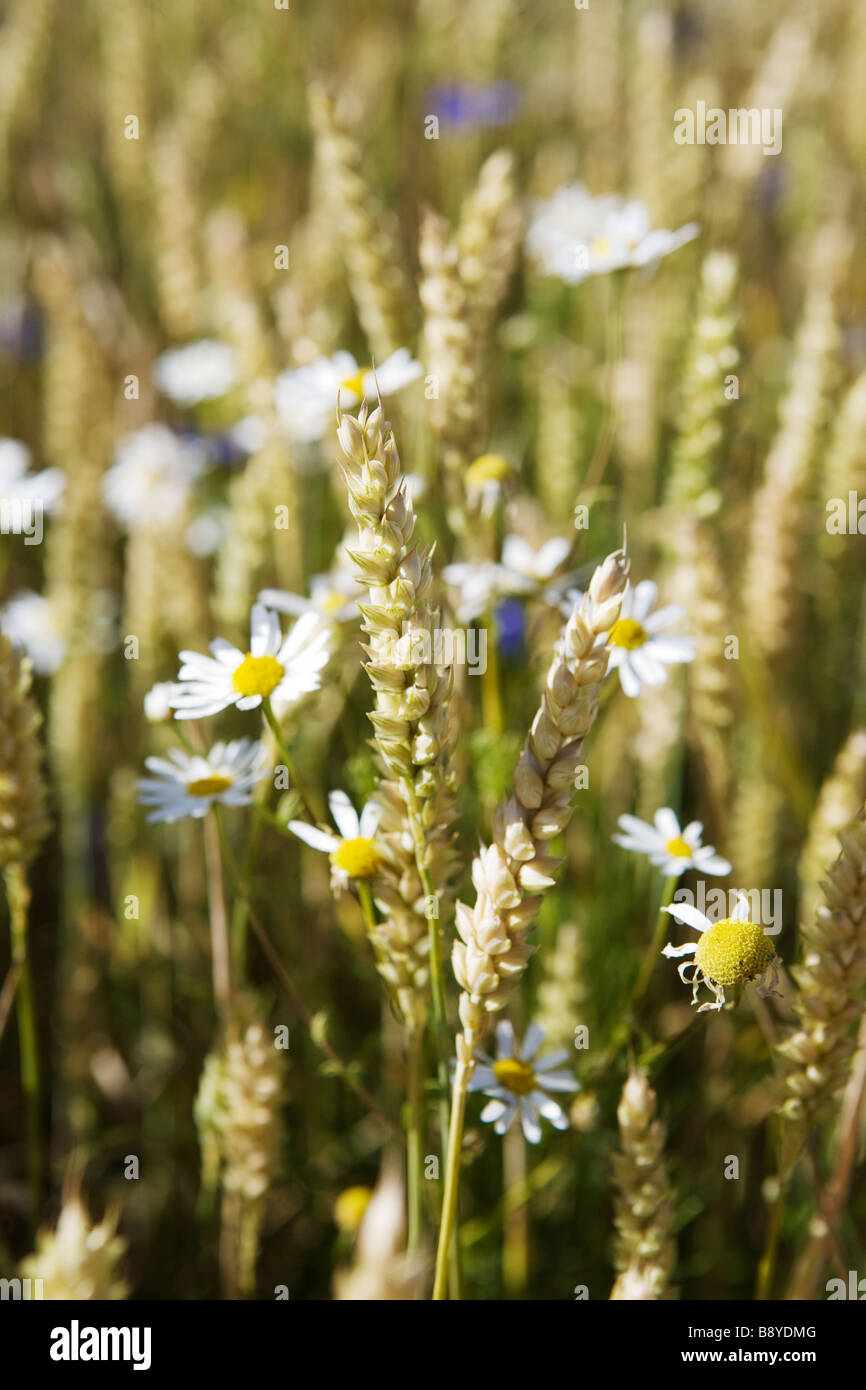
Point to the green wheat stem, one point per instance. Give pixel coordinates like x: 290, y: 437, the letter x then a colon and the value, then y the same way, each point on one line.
x: 653, y: 952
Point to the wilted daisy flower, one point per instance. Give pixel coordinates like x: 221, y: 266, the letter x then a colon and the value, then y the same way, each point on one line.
x: 671, y: 849
x: 640, y: 647
x: 574, y: 235
x: 17, y: 485
x: 151, y: 480
x: 201, y: 371
x: 728, y: 953
x: 518, y: 1083
x: 189, y: 784
x: 30, y: 622
x: 306, y: 397
x: 275, y: 667
x: 354, y: 852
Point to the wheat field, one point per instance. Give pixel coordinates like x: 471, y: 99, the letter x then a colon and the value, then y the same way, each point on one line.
x: 433, y: 655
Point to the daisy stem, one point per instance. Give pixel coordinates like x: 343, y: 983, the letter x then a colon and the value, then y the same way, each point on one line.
x: 341, y: 1067
x: 654, y: 951
x: 491, y: 688
x: 515, y: 1249
x: 607, y: 432
x: 365, y: 898
x: 285, y: 755
x: 462, y: 1073
x: 219, y: 926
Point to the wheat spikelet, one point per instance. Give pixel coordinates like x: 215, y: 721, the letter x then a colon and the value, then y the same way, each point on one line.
x: 830, y: 979
x: 648, y: 119
x: 563, y: 986
x: 176, y: 220
x: 255, y: 537
x: 412, y: 690
x: 237, y: 1114
x: 488, y: 239
x: 79, y: 1260
x: 368, y: 232
x: 844, y: 472
x: 124, y: 38
x: 845, y: 459
x: 450, y: 358
x: 597, y: 88
x: 493, y: 950
x: 232, y: 295
x: 711, y: 685
x: 24, y: 42
x: 712, y: 356
x: 560, y: 433
x: 768, y: 586
x: 756, y: 813
x: 645, y: 1250
x: 23, y: 816
x: 842, y: 793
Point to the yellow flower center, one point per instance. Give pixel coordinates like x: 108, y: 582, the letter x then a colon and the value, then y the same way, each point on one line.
x: 488, y: 468
x: 730, y: 952
x: 257, y: 675
x: 515, y: 1075
x: 358, y: 858
x: 678, y: 848
x: 332, y: 601
x: 627, y: 633
x: 209, y: 786
x: 601, y: 246
x: 350, y: 1206
x: 354, y: 383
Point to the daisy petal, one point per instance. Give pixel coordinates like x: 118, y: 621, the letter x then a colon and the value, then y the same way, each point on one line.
x: 684, y: 912
x: 345, y: 815
x: 315, y: 838
x: 504, y: 1040
x: 532, y: 1040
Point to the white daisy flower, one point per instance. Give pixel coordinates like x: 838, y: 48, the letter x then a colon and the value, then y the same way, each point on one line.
x: 477, y: 587
x: 529, y: 569
x: 669, y: 848
x: 275, y: 667
x: 306, y: 397
x: 574, y: 235
x: 354, y: 852
x: 189, y: 784
x: 201, y: 371
x: 640, y: 646
x: 157, y: 702
x: 30, y: 622
x: 522, y: 571
x: 334, y: 596
x: 728, y: 953
x: 518, y: 1083
x: 43, y: 489
x: 151, y: 481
